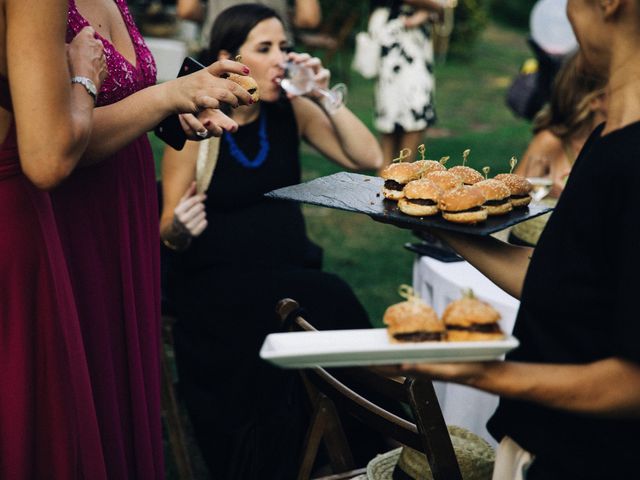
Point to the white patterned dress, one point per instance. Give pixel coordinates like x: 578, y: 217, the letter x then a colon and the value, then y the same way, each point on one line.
x: 406, y: 85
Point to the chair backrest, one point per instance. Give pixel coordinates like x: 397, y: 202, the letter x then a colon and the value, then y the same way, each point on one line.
x: 330, y: 392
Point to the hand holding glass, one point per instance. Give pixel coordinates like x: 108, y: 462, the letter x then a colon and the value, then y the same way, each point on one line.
x: 300, y: 80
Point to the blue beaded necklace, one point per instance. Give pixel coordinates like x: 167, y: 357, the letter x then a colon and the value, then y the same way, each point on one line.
x: 239, y: 155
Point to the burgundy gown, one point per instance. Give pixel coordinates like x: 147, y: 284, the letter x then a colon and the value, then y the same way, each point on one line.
x: 107, y: 216
x: 48, y: 426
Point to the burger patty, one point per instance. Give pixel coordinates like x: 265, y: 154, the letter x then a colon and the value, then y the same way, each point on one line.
x: 478, y: 327
x: 517, y: 197
x: 420, y: 336
x: 420, y: 201
x: 495, y: 203
x: 474, y: 209
x: 393, y: 185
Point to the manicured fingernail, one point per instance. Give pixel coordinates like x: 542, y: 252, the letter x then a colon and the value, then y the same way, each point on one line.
x: 251, y: 102
x: 207, y: 123
x: 246, y: 70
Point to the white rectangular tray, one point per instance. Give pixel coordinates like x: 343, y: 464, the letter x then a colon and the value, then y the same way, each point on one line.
x: 343, y: 348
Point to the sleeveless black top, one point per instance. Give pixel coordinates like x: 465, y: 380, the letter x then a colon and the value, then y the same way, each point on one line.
x: 244, y: 228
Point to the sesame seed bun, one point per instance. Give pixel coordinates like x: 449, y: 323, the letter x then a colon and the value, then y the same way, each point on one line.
x: 444, y: 179
x: 413, y: 320
x: 396, y: 176
x: 468, y: 175
x: 463, y: 205
x: 470, y: 319
x: 248, y: 83
x: 428, y: 166
x: 496, y: 194
x: 420, y: 198
x: 519, y: 187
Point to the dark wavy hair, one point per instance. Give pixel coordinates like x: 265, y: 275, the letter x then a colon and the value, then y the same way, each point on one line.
x: 232, y: 26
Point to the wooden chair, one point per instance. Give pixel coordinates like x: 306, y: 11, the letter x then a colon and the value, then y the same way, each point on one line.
x: 329, y: 394
x: 170, y: 408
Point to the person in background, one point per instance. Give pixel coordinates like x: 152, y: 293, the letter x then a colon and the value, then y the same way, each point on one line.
x: 305, y: 14
x: 570, y: 393
x: 48, y: 427
x: 577, y: 106
x: 405, y: 87
x: 238, y: 253
x: 107, y: 217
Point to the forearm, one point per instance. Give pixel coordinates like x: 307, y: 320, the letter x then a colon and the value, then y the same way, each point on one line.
x: 504, y: 264
x: 609, y: 387
x: 431, y: 5
x: 119, y: 124
x: 190, y: 10
x: 356, y: 140
x: 307, y: 14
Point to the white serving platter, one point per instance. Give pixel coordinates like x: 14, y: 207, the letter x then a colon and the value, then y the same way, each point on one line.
x: 345, y: 348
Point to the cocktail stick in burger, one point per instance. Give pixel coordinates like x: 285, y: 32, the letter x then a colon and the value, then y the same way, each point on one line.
x: 420, y: 198
x: 496, y: 194
x: 519, y: 186
x: 470, y: 319
x: 428, y: 166
x: 468, y: 175
x: 398, y: 174
x: 412, y: 320
x: 463, y: 205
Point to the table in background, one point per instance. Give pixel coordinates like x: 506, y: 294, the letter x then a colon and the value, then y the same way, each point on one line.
x: 439, y: 283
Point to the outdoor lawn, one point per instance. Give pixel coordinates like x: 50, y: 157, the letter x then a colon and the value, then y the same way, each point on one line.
x: 472, y: 114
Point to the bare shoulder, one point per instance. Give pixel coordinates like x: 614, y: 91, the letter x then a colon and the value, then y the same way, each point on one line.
x: 545, y: 142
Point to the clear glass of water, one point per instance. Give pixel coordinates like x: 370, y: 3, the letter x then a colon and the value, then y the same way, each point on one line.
x: 298, y: 80
x: 541, y: 187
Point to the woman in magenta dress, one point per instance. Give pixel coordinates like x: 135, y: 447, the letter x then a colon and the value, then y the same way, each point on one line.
x: 48, y: 426
x: 108, y: 220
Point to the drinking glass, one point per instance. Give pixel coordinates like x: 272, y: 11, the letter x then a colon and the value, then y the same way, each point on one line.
x: 299, y: 80
x: 541, y: 187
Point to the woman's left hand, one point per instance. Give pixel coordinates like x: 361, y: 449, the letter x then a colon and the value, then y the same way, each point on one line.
x: 322, y: 76
x: 211, y: 122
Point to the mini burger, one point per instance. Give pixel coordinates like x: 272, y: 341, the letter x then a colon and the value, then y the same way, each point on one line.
x: 519, y: 187
x: 496, y: 195
x: 445, y: 180
x: 428, y: 166
x: 468, y: 175
x: 248, y: 83
x: 413, y: 321
x: 420, y: 198
x: 470, y: 319
x: 463, y: 205
x: 396, y: 176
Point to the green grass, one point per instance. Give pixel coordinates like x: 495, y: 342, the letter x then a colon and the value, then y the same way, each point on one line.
x: 471, y: 108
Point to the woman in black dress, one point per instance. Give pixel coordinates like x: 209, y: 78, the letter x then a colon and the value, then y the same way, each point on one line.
x: 245, y: 253
x: 570, y: 393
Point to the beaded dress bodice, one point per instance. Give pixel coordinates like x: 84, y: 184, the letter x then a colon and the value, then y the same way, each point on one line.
x: 123, y: 78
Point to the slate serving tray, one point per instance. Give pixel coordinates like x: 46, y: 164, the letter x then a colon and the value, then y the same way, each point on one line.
x: 354, y: 192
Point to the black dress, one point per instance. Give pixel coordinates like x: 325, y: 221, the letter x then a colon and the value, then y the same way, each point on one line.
x: 580, y: 305
x: 224, y: 289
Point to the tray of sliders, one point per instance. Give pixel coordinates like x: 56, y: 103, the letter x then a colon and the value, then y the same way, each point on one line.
x: 424, y: 193
x: 468, y: 331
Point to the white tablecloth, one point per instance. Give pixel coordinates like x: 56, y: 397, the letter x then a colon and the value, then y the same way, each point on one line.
x: 439, y: 283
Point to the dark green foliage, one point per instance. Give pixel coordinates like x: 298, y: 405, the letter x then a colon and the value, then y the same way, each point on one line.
x: 471, y: 17
x: 512, y: 12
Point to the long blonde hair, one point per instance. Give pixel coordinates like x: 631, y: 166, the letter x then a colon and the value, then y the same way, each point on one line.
x: 568, y: 112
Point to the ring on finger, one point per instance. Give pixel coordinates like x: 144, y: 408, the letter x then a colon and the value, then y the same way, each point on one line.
x: 203, y: 134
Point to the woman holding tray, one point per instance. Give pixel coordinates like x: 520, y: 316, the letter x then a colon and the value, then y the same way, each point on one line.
x: 570, y: 394
x: 234, y: 262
